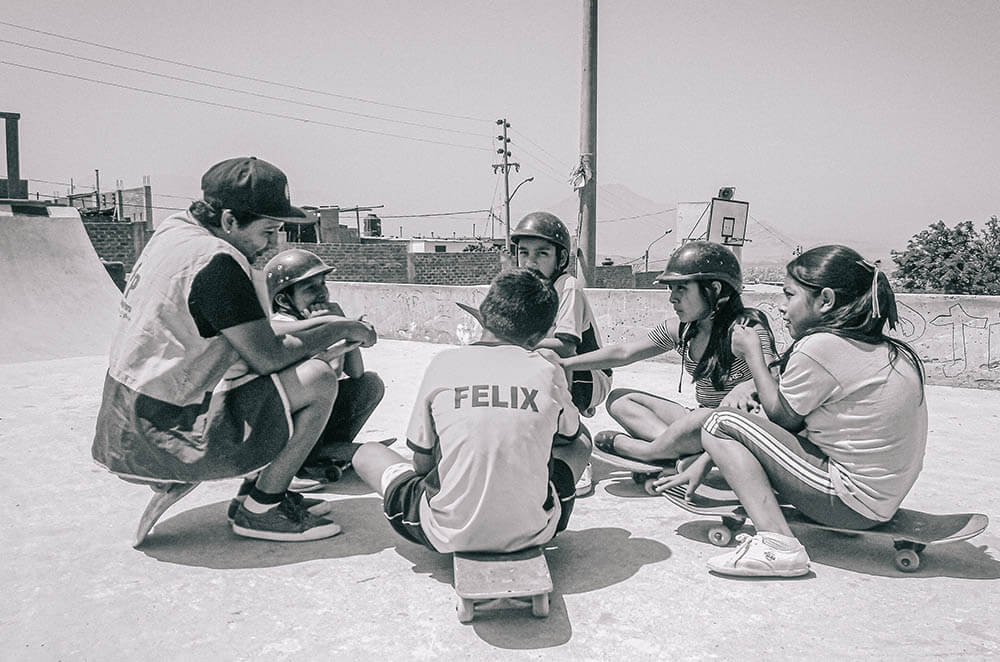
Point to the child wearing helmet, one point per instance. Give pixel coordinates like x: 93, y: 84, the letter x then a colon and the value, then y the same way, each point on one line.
x: 542, y: 243
x: 296, y: 291
x: 296, y: 287
x: 846, y: 424
x: 494, y: 434
x: 705, y: 282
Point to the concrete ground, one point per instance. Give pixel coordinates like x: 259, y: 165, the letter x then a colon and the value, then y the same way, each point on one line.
x: 629, y: 574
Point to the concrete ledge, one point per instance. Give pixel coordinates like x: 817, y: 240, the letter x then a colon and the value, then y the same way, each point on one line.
x: 957, y: 336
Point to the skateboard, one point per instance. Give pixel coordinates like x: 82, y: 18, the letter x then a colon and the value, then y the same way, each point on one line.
x: 334, y: 467
x: 643, y: 472
x: 910, y: 531
x: 495, y: 581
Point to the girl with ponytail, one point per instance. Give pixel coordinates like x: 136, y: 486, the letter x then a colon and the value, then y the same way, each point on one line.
x: 846, y: 423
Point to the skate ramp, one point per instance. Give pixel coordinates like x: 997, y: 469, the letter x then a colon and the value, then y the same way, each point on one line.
x: 58, y: 301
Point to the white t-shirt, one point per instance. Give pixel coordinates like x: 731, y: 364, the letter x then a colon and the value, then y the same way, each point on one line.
x: 575, y: 319
x: 867, y: 415
x: 487, y: 414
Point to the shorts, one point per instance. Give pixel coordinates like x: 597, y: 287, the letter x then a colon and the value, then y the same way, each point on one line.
x: 798, y: 470
x: 589, y: 389
x: 235, y: 431
x: 403, y: 490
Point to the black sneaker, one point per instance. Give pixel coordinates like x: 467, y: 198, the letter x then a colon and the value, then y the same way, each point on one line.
x: 317, y: 507
x: 287, y: 522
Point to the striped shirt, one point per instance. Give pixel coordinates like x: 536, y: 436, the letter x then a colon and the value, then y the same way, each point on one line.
x: 705, y: 392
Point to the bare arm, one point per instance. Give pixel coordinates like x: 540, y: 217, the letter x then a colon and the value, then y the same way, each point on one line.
x: 560, y: 345
x: 266, y: 353
x: 354, y: 364
x: 746, y: 344
x: 614, y: 356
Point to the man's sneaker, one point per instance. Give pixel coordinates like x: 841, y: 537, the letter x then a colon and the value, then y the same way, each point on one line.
x: 287, y: 522
x: 756, y: 556
x: 317, y: 507
x: 585, y: 485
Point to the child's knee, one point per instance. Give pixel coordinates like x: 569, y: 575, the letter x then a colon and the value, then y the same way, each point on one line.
x: 614, y: 396
x: 321, y: 382
x: 378, y: 466
x: 373, y: 385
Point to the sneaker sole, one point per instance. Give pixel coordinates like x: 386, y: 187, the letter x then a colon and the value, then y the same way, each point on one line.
x: 755, y: 572
x: 319, y: 510
x: 315, y: 533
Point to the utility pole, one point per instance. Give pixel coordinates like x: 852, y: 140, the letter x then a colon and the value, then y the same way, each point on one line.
x: 587, y: 248
x: 506, y: 165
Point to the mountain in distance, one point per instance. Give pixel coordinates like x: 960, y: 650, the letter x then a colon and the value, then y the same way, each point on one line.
x: 627, y: 223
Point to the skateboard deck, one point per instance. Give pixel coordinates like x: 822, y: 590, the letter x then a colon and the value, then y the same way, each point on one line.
x: 643, y: 471
x: 910, y: 531
x: 494, y: 581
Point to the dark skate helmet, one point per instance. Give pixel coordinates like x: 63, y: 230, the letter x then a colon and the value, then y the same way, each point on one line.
x: 703, y: 260
x: 291, y: 266
x: 542, y: 225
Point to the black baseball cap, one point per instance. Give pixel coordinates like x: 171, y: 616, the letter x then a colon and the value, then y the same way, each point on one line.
x: 249, y: 185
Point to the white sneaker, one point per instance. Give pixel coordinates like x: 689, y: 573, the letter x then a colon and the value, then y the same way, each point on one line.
x: 756, y: 556
x: 585, y: 485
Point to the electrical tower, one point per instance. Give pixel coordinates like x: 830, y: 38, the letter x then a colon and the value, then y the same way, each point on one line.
x: 506, y: 166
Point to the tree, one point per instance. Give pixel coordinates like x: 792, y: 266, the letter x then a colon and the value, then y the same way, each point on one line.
x: 957, y: 260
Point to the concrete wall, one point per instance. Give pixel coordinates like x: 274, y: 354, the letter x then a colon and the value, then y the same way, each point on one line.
x: 957, y: 336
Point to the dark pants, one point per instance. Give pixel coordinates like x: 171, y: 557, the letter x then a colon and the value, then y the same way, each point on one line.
x: 356, y: 400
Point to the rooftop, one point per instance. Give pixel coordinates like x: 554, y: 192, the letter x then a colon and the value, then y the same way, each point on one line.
x: 629, y: 574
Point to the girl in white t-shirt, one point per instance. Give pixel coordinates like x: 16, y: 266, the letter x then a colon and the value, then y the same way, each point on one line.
x: 846, y: 423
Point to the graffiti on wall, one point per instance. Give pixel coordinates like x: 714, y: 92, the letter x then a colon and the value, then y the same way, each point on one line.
x: 961, y: 344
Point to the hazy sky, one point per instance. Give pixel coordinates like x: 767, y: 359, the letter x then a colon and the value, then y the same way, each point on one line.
x: 836, y: 120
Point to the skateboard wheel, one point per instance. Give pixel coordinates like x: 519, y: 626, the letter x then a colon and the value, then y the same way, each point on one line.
x: 466, y: 608
x: 907, y: 560
x: 720, y: 536
x: 650, y: 487
x: 334, y: 473
x: 540, y: 605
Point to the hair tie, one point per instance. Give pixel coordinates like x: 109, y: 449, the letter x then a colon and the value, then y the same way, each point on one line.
x: 876, y: 308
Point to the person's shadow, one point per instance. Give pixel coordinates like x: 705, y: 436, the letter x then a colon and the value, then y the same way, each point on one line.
x: 871, y: 555
x: 579, y: 562
x: 200, y: 537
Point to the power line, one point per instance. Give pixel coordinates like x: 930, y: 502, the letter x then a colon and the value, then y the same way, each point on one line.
x: 238, y: 91
x: 780, y: 236
x: 553, y: 156
x: 629, y: 218
x: 241, y: 108
x: 445, y: 213
x: 241, y: 76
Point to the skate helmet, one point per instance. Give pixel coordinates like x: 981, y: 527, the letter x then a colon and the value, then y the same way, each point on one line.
x: 291, y: 266
x: 703, y: 260
x: 542, y: 225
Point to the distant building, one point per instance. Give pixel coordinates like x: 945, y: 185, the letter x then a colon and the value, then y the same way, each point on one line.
x: 120, y: 205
